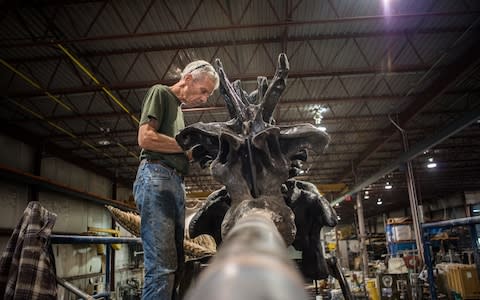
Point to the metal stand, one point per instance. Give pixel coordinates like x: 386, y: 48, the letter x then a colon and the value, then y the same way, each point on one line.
x: 70, y: 239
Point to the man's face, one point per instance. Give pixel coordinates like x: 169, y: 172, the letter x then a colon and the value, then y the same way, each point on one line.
x: 197, y: 91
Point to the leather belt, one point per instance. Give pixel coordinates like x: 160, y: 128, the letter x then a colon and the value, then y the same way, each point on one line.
x: 163, y: 164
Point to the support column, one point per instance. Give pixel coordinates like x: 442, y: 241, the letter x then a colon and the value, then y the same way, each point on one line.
x: 111, y: 287
x: 417, y: 210
x: 362, y: 234
x: 412, y: 196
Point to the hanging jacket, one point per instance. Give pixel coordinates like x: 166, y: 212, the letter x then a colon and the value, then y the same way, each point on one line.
x: 27, y: 268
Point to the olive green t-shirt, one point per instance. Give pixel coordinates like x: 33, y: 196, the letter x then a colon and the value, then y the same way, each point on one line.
x: 161, y: 104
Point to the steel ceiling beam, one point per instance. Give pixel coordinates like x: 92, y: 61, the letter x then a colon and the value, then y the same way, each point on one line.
x: 321, y: 37
x: 280, y: 104
x: 133, y: 133
x: 132, y: 36
x: 111, y: 115
x: 288, y: 103
x: 374, y: 70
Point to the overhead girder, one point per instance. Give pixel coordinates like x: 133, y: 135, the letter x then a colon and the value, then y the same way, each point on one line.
x: 130, y: 36
x: 320, y: 37
x: 416, y: 68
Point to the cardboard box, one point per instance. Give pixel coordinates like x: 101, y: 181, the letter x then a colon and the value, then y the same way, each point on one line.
x: 463, y: 279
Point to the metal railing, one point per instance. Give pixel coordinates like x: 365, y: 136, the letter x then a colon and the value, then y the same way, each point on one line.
x: 107, y: 240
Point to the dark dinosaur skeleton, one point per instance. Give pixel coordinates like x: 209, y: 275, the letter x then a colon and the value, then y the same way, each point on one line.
x: 256, y: 161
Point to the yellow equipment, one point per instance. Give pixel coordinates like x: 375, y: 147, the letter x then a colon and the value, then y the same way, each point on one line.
x: 113, y: 232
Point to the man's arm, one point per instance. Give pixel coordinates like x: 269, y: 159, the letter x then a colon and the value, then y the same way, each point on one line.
x: 150, y: 139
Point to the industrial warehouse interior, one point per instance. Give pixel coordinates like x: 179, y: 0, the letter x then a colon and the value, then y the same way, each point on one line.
x: 392, y: 85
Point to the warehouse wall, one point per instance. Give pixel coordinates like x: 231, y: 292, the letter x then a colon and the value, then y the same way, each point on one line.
x: 472, y: 197
x: 13, y: 196
x: 13, y: 200
x: 448, y: 207
x: 74, y: 262
x: 76, y: 177
x: 16, y: 154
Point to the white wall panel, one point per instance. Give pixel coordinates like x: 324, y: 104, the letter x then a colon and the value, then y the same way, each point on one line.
x: 472, y: 197
x: 64, y: 172
x: 100, y: 185
x: 124, y: 193
x: 13, y: 200
x: 74, y: 215
x: 76, y: 177
x: 16, y: 154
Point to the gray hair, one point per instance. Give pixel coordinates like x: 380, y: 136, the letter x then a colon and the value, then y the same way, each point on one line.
x: 200, y: 68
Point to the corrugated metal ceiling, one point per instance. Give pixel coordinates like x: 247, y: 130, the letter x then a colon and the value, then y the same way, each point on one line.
x: 415, y: 65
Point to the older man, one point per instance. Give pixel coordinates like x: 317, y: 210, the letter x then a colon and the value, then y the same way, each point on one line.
x: 158, y: 188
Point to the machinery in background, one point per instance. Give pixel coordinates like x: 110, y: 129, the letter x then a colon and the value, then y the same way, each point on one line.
x: 131, y: 290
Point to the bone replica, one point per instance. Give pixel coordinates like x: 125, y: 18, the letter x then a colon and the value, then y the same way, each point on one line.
x: 255, y: 159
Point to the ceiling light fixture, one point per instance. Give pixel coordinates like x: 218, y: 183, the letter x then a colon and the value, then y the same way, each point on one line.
x: 106, y: 132
x: 366, y: 196
x: 104, y: 142
x: 379, y: 201
x: 431, y: 164
x: 388, y: 186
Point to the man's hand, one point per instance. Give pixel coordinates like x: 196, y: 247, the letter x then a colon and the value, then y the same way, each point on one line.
x: 188, y: 154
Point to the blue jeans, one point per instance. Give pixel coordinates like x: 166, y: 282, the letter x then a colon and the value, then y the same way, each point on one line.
x: 160, y: 197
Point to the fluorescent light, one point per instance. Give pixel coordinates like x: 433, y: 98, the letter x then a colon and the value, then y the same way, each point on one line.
x: 366, y: 197
x: 104, y: 142
x: 386, y: 8
x: 476, y: 210
x: 431, y: 164
x: 322, y: 128
x: 379, y: 201
x: 388, y: 186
